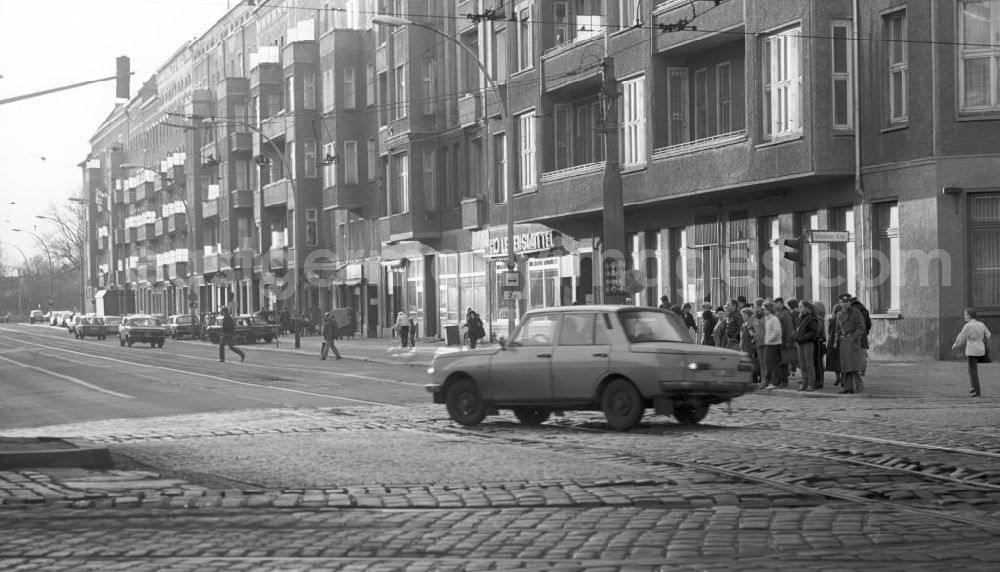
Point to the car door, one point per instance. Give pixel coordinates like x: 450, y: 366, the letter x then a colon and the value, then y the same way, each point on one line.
x: 521, y: 372
x: 580, y: 359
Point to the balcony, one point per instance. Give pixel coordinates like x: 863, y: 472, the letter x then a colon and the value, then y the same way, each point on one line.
x: 177, y: 223
x: 350, y: 197
x: 472, y: 214
x: 119, y: 235
x: 102, y: 243
x: 408, y: 226
x: 726, y: 16
x: 274, y: 127
x: 240, y: 142
x: 466, y: 7
x: 240, y: 199
x: 277, y: 193
x: 210, y: 208
x: 159, y: 227
x: 212, y: 263
x: 145, y: 232
x: 469, y: 112
x: 561, y: 64
x: 384, y: 134
x: 176, y: 270
x: 144, y: 191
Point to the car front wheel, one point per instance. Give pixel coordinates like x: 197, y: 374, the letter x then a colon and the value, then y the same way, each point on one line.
x: 690, y: 413
x: 465, y: 403
x: 128, y: 340
x: 532, y: 415
x: 622, y: 405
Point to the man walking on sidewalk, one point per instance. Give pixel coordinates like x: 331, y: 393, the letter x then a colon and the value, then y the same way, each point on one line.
x: 228, y: 330
x: 329, y: 334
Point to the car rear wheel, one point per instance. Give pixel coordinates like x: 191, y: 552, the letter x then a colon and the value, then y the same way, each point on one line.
x: 128, y: 340
x: 532, y: 415
x: 160, y: 344
x: 622, y: 405
x: 690, y: 413
x: 465, y: 403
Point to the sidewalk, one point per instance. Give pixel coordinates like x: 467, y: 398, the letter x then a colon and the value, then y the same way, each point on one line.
x: 884, y: 378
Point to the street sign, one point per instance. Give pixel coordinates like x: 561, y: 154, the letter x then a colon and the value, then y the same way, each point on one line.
x: 512, y: 279
x: 829, y: 236
x: 512, y: 295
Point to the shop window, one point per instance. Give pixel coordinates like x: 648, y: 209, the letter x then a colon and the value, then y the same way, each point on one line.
x: 984, y: 249
x: 543, y: 282
x: 843, y: 264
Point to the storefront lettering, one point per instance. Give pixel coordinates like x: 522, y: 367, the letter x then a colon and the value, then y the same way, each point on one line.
x: 523, y: 243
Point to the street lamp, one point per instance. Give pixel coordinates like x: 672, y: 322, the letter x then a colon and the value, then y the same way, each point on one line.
x: 511, y: 144
x: 69, y: 232
x: 47, y: 254
x: 290, y: 175
x: 27, y: 267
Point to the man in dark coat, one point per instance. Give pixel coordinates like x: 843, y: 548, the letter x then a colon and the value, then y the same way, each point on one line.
x: 734, y: 322
x: 664, y: 302
x: 226, y: 340
x: 329, y: 335
x: 787, y: 329
x: 851, y: 326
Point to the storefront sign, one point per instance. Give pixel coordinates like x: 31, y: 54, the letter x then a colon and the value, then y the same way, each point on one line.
x: 829, y: 236
x: 523, y: 243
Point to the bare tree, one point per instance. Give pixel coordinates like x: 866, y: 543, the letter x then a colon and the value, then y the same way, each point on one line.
x: 67, y: 231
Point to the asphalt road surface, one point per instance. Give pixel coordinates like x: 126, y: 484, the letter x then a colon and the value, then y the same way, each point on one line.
x: 51, y: 378
x: 288, y: 463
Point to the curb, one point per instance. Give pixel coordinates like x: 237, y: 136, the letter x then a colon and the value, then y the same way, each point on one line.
x: 96, y: 458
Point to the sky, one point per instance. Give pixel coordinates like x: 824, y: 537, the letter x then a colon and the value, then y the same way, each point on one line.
x: 51, y: 43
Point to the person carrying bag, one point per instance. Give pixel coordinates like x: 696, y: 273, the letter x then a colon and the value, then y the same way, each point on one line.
x: 974, y: 336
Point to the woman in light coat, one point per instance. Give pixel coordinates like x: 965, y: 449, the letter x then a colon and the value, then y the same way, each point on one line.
x: 402, y: 327
x: 772, y: 346
x: 973, y: 337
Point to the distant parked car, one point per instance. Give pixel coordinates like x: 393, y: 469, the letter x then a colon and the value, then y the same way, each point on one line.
x: 89, y: 325
x: 66, y: 320
x: 36, y: 316
x: 249, y: 329
x: 181, y: 325
x: 620, y: 360
x: 111, y: 324
x: 142, y: 328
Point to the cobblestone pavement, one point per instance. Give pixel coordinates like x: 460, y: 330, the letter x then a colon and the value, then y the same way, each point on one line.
x: 781, y: 483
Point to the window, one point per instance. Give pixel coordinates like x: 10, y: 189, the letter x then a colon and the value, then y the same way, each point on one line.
x: 629, y: 13
x: 309, y: 150
x: 500, y: 69
x: 885, y: 258
x: 309, y: 91
x: 984, y: 249
x: 843, y: 261
x: 290, y: 94
x: 311, y: 227
x: 329, y: 166
x: 543, y: 282
x: 979, y: 41
x: 677, y: 102
x: 633, y: 135
x: 350, y: 162
x: 370, y: 85
x: 350, y: 89
x: 242, y: 175
x: 430, y: 185
x: 577, y: 330
x: 399, y: 105
x: 563, y: 27
x: 782, y: 82
x: 499, y: 168
x: 843, y: 92
x: 525, y: 47
x: 562, y: 127
x: 372, y: 158
x: 427, y: 81
x: 724, y: 87
x: 896, y: 37
x: 400, y: 202
x: 701, y: 104
x: 526, y: 146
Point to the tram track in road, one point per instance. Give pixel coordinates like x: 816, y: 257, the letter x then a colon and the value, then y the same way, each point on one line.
x: 769, y: 476
x: 58, y: 348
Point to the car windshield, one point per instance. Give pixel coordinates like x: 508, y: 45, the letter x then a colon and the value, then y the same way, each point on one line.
x: 653, y: 326
x: 258, y: 321
x: 113, y: 320
x: 145, y: 322
x: 182, y: 319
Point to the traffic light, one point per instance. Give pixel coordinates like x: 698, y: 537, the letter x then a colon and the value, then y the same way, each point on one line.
x: 613, y: 275
x: 122, y: 74
x: 797, y: 253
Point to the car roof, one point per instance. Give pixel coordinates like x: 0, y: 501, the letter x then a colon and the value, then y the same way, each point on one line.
x: 590, y: 308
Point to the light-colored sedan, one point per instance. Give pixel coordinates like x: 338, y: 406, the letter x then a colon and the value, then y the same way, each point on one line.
x: 620, y: 360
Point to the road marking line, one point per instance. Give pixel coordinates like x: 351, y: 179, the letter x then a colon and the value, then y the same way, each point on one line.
x: 205, y: 375
x: 79, y: 382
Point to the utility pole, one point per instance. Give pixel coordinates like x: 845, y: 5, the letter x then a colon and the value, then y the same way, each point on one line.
x: 613, y: 251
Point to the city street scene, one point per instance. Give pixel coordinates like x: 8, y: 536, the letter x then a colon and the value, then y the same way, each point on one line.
x: 636, y: 285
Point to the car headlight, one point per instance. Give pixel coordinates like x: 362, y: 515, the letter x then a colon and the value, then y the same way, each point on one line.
x: 697, y: 366
x: 430, y: 370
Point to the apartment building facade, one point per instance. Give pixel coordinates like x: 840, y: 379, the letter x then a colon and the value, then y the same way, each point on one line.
x: 361, y: 162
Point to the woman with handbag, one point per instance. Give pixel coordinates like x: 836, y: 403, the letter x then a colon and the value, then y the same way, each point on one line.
x: 974, y: 335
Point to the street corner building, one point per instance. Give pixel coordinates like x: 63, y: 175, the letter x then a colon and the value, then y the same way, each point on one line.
x: 375, y: 155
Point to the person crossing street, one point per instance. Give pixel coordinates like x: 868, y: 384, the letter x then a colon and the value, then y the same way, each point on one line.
x: 329, y: 335
x: 226, y: 340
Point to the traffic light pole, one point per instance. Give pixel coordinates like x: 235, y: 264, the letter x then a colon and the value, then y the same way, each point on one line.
x: 121, y: 77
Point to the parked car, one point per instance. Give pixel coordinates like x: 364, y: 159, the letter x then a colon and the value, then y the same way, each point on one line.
x: 249, y: 329
x: 36, y: 316
x: 142, y: 328
x: 181, y: 325
x: 66, y: 320
x: 72, y: 323
x: 89, y: 325
x: 111, y: 324
x: 620, y: 360
x: 56, y: 317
